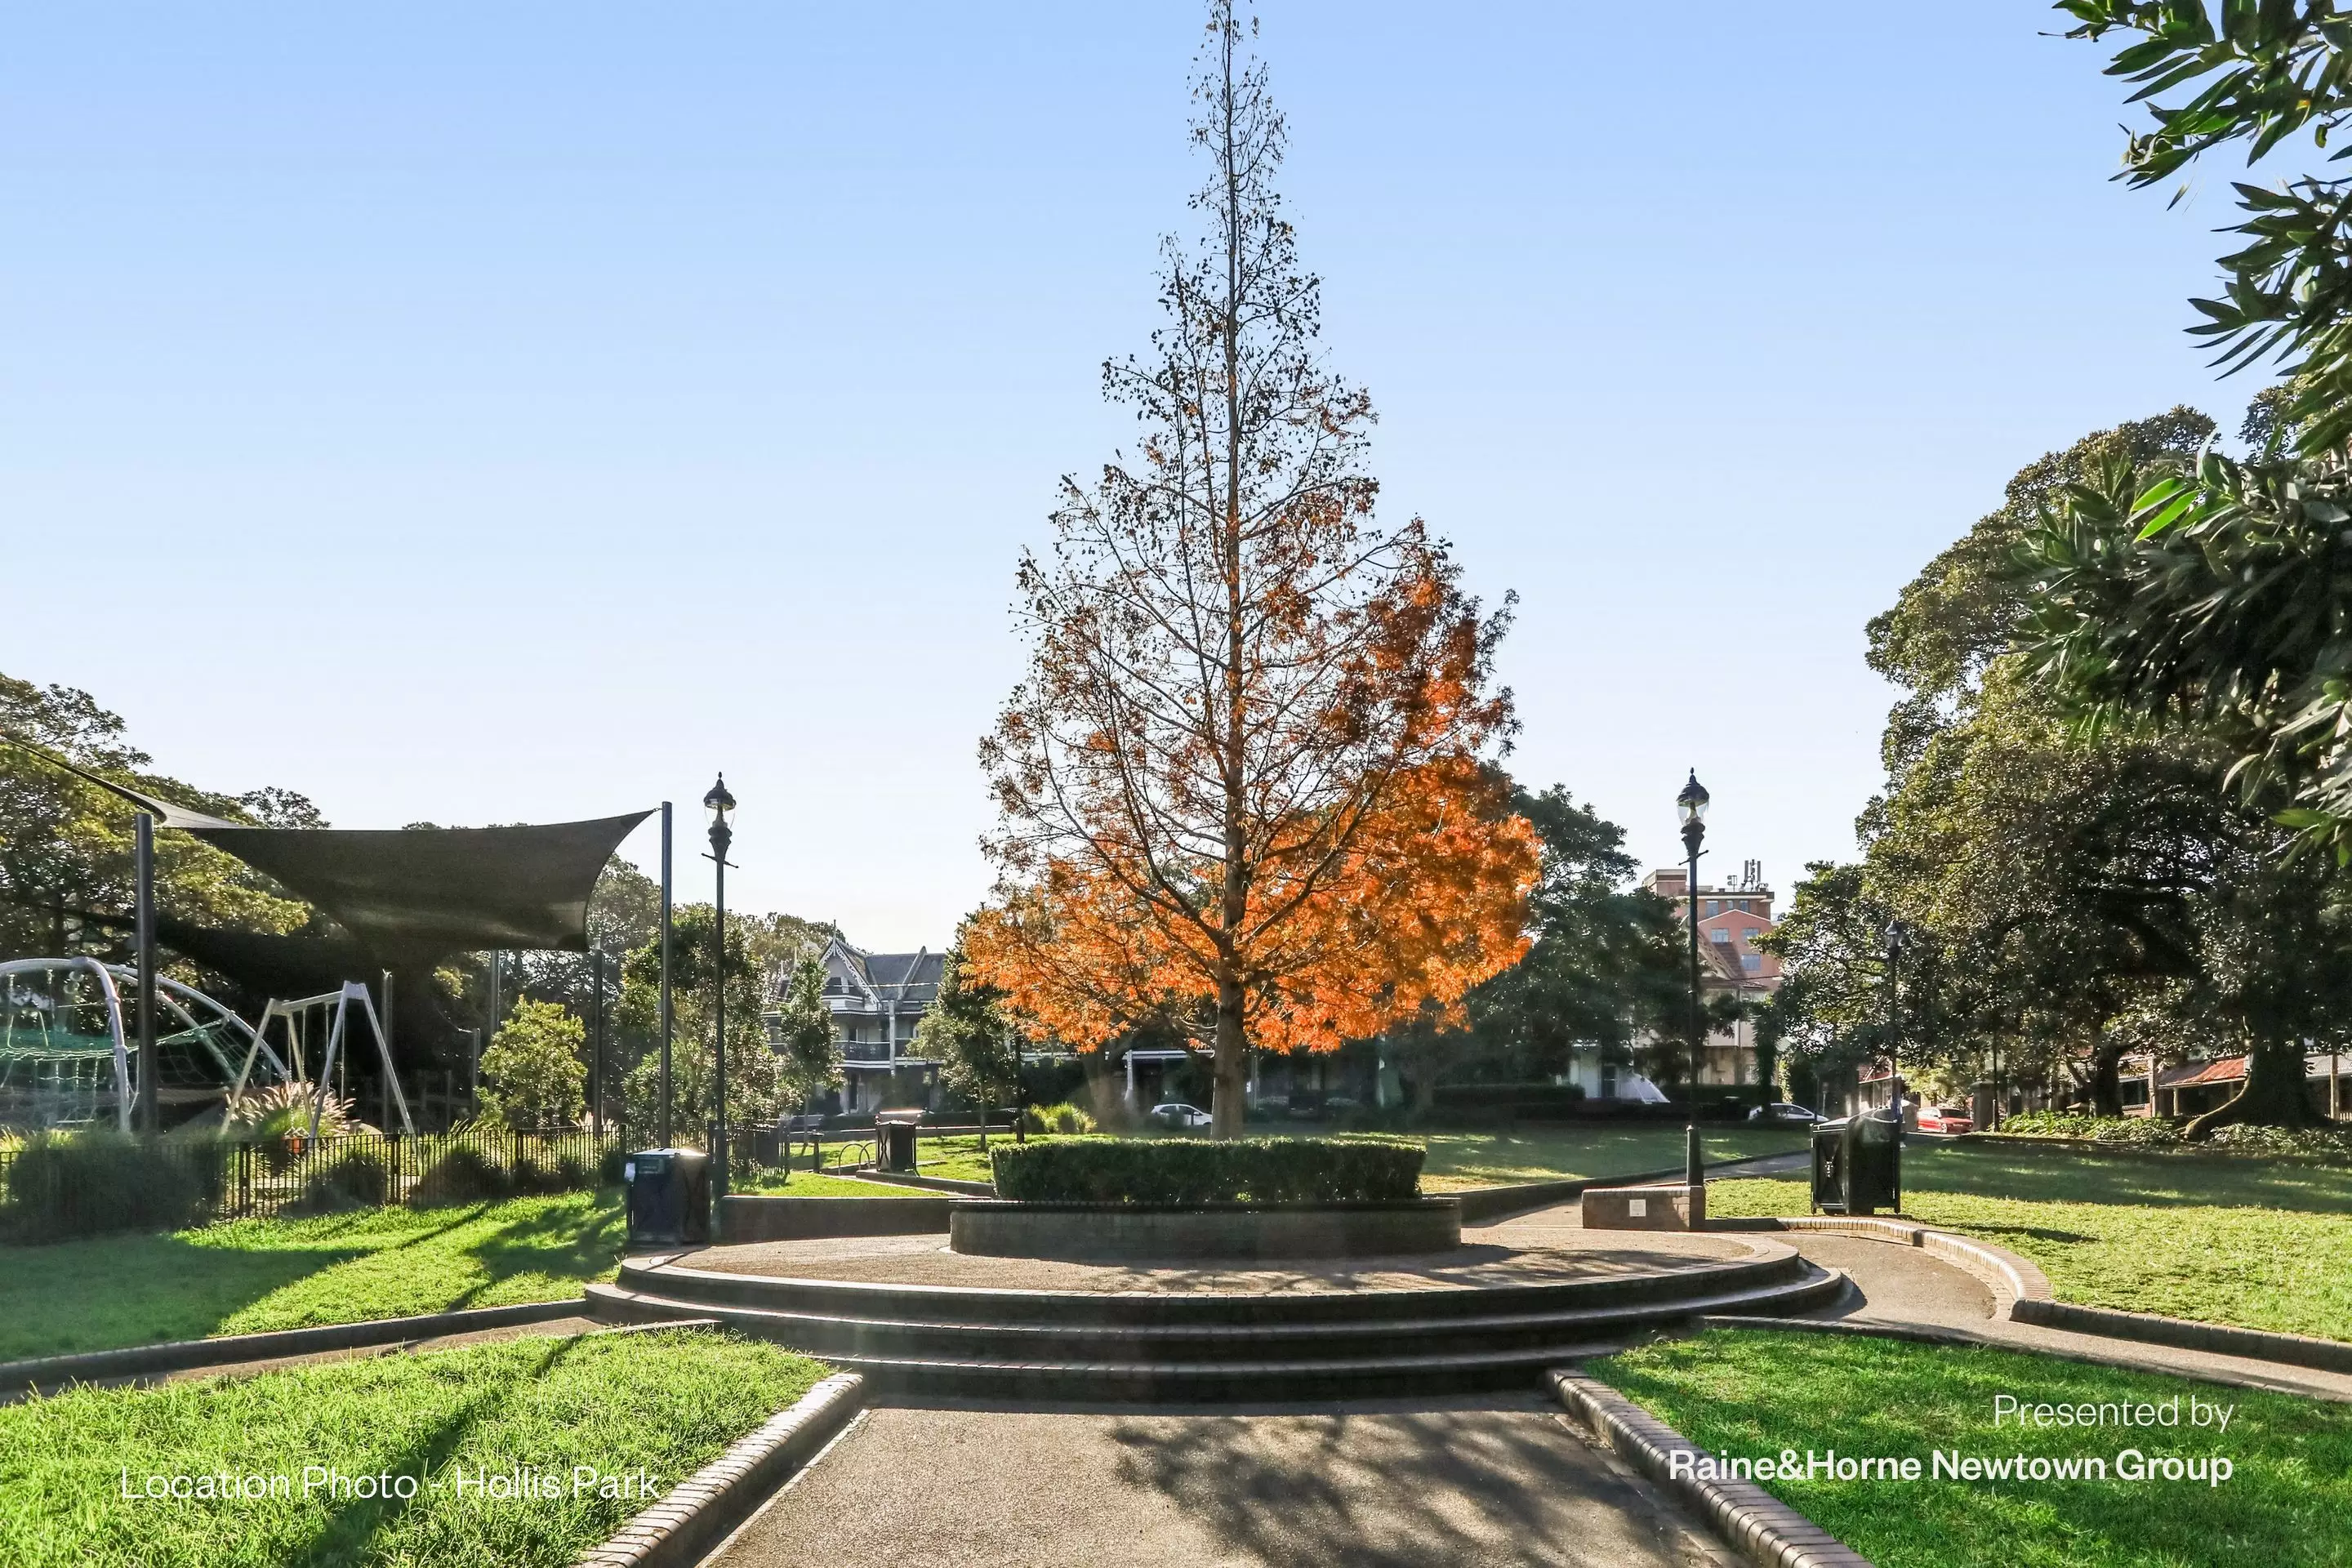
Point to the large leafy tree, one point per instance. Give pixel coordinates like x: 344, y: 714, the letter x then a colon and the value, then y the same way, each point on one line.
x: 811, y: 1059
x: 2070, y: 896
x: 968, y: 1035
x: 1242, y: 787
x: 757, y: 1088
x: 1607, y: 966
x: 2218, y: 599
x: 65, y: 846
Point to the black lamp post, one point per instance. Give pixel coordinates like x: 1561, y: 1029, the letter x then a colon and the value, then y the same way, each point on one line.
x: 1893, y: 1023
x: 719, y: 803
x: 1691, y: 806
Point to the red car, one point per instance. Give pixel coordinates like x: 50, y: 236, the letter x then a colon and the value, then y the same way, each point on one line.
x: 1945, y: 1119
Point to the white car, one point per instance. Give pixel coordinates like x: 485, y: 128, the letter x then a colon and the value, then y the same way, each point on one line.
x: 1176, y: 1113
x: 1796, y: 1115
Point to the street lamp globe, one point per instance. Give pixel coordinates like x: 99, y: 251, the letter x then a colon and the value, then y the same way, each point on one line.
x: 1691, y: 805
x: 719, y: 801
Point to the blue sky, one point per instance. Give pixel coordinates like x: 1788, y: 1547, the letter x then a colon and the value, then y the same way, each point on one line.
x: 482, y: 414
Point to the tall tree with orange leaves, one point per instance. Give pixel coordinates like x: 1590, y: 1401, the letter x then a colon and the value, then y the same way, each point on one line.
x: 1243, y: 789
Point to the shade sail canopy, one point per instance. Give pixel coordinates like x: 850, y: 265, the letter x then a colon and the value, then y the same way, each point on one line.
x: 454, y: 889
x: 460, y: 889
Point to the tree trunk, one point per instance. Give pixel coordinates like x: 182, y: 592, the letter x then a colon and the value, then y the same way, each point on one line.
x: 1105, y: 1087
x: 1227, y: 1106
x: 2106, y: 1085
x: 2274, y: 1095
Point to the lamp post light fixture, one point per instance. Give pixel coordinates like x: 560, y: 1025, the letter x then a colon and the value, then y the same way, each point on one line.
x: 720, y: 804
x: 1691, y: 806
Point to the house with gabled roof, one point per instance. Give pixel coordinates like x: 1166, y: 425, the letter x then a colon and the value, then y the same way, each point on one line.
x: 877, y: 999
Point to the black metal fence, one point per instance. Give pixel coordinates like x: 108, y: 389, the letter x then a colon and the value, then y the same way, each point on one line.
x: 88, y: 1183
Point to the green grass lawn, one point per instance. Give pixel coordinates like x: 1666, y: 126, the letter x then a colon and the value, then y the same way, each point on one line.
x: 667, y: 1402
x: 2249, y: 1242
x: 259, y: 1274
x: 1750, y: 1393
x: 1460, y: 1160
x: 1575, y: 1149
x: 768, y: 1182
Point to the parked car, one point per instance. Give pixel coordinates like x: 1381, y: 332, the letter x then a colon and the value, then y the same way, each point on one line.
x: 1182, y: 1117
x: 1945, y: 1119
x: 1795, y: 1115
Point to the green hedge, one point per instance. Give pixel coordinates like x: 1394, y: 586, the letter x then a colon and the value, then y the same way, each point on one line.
x: 80, y: 1183
x: 1201, y: 1170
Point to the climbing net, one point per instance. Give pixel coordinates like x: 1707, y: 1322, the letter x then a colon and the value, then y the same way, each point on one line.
x: 66, y: 1060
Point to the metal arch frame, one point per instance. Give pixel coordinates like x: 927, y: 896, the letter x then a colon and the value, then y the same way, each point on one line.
x: 293, y: 1012
x: 174, y: 995
x: 170, y: 993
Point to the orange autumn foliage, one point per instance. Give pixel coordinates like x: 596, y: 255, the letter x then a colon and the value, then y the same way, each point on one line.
x: 1429, y: 901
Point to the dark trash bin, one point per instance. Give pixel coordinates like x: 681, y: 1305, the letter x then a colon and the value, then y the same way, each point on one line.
x: 1829, y: 1167
x: 894, y: 1146
x: 669, y: 1198
x: 1858, y: 1165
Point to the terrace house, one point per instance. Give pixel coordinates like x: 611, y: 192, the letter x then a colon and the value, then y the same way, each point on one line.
x: 877, y: 999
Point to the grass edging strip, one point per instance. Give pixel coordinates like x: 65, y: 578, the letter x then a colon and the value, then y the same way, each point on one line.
x: 700, y: 1510
x: 1930, y: 1334
x: 1762, y: 1529
x: 227, y: 1350
x: 2186, y: 1333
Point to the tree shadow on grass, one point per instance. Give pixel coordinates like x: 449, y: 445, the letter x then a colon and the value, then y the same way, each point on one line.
x: 552, y: 1242
x: 355, y: 1523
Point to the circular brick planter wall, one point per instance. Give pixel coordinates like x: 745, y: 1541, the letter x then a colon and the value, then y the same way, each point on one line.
x: 1091, y: 1232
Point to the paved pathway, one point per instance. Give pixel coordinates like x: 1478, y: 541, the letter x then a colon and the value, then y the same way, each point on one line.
x: 1489, y: 1479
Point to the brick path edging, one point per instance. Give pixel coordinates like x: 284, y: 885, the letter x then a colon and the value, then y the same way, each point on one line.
x: 1997, y: 1265
x: 1762, y: 1529
x: 2185, y: 1333
x: 699, y: 1511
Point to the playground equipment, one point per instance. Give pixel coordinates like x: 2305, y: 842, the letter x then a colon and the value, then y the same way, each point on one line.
x: 65, y: 1059
x: 299, y: 1018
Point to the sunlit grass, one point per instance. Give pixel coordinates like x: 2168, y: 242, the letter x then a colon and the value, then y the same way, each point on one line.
x: 667, y: 1401
x: 262, y: 1274
x: 2259, y: 1245
x: 1741, y: 1392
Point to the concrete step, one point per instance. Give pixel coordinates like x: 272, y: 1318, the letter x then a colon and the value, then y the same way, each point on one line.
x: 953, y: 1304
x: 1211, y: 1361
x: 1229, y: 1382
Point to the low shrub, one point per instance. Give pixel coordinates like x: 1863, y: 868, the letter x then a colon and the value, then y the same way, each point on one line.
x: 80, y: 1183
x: 2309, y: 1143
x: 1201, y: 1170
x: 463, y: 1175
x: 356, y: 1178
x: 1064, y: 1118
x: 2134, y: 1132
x: 2153, y: 1132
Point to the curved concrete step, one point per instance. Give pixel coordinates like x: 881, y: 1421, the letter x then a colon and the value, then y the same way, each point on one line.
x: 1219, y: 1361
x: 1772, y: 1263
x: 1148, y: 1383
